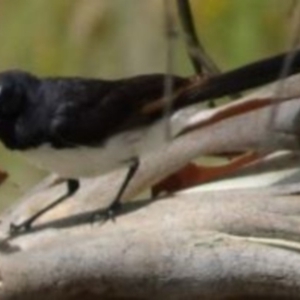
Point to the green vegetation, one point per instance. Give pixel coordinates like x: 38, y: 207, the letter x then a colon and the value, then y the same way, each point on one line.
x: 114, y: 38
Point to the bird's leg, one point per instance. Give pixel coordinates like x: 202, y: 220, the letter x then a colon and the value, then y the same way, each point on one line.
x: 72, y: 188
x: 116, y: 203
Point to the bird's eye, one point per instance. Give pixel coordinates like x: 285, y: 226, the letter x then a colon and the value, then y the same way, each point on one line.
x: 11, y: 99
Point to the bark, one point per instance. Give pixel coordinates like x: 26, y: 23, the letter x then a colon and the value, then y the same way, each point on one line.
x: 207, y: 245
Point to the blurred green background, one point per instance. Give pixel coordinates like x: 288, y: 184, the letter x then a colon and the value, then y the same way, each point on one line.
x: 115, y: 38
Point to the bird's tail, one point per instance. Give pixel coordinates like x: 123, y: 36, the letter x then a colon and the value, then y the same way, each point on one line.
x: 238, y: 80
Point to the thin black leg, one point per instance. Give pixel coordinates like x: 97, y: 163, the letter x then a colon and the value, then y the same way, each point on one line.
x: 72, y: 188
x: 116, y: 204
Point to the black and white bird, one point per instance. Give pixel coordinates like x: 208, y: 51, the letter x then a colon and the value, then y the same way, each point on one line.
x: 80, y: 127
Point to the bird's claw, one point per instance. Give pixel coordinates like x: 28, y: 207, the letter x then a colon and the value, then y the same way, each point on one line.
x: 109, y: 213
x: 23, y: 227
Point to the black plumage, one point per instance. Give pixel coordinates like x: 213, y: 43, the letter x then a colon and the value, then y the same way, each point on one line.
x: 67, y: 112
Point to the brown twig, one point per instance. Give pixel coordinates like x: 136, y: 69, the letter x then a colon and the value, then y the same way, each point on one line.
x: 294, y: 41
x: 200, y: 59
x: 171, y: 34
x: 3, y: 176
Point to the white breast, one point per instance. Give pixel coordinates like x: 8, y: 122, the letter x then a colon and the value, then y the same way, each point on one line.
x: 116, y: 152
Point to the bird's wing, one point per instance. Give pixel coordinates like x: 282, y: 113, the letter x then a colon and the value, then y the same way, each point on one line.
x: 90, y: 116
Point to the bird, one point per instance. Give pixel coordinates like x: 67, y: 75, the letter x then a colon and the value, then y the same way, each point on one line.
x: 84, y: 127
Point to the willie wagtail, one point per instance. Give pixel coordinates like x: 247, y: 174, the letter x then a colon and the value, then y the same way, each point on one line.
x: 80, y: 127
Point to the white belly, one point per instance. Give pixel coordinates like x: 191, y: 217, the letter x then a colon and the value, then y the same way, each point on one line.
x: 92, y: 161
x: 73, y: 162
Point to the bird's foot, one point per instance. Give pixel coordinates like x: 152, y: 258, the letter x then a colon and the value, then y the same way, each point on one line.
x: 108, y: 214
x: 20, y: 228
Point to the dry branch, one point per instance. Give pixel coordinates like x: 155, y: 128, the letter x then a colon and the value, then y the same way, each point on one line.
x: 198, y: 245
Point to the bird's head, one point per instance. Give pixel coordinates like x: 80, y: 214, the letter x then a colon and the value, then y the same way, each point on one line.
x: 15, y: 89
